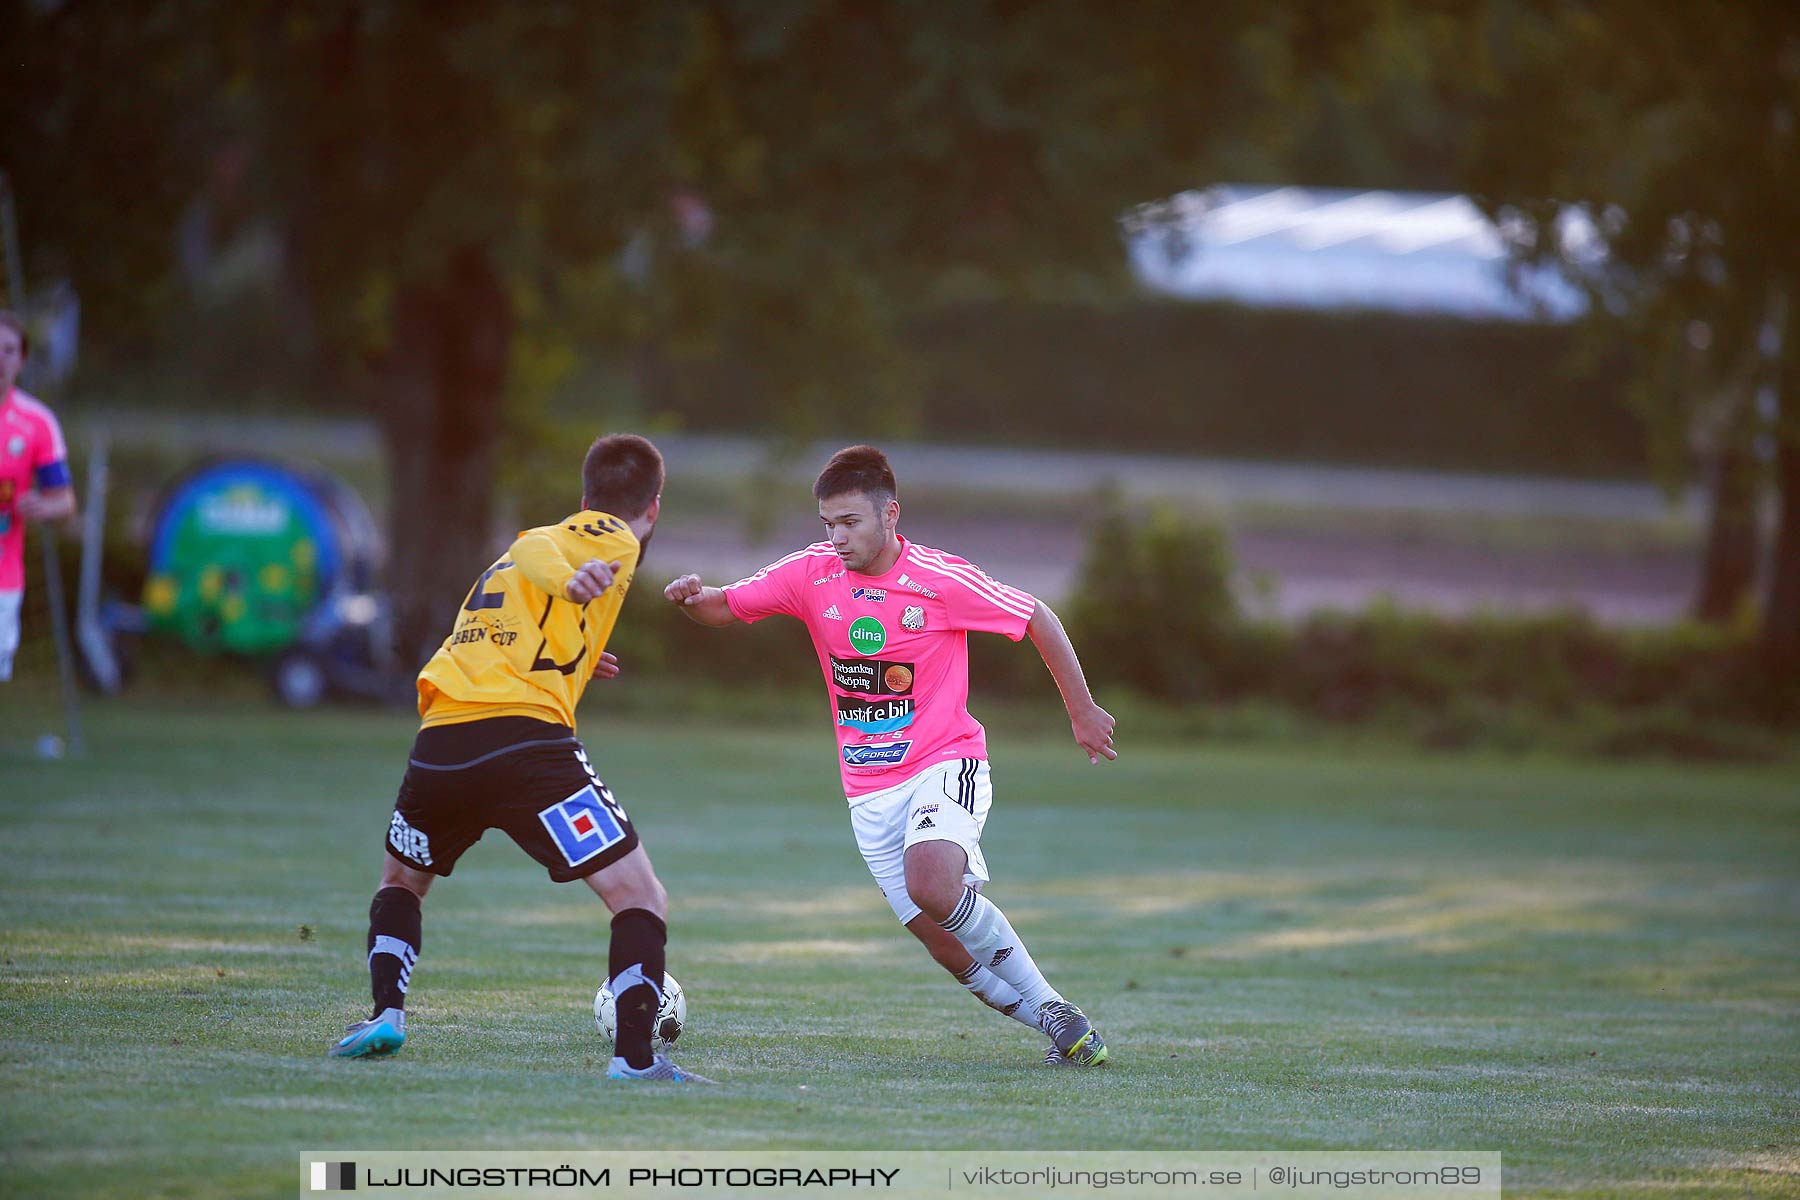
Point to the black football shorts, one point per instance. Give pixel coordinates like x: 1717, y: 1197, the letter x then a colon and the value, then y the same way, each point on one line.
x: 529, y: 778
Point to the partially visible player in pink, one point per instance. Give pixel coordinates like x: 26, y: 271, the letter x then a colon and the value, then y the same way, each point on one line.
x: 34, y: 479
x: 890, y: 621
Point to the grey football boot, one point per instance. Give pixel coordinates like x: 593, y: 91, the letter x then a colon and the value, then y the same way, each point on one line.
x: 1077, y: 1042
x: 660, y: 1070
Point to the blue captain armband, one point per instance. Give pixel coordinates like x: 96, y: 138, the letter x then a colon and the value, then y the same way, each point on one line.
x: 54, y: 475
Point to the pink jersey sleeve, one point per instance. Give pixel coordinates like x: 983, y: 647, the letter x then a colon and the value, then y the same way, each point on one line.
x: 47, y: 456
x: 51, y: 462
x: 978, y: 603
x: 774, y: 590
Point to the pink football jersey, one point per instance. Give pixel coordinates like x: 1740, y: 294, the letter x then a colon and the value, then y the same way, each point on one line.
x: 894, y: 650
x: 31, y: 455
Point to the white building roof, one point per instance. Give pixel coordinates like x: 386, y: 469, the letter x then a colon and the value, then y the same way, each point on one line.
x: 1291, y: 247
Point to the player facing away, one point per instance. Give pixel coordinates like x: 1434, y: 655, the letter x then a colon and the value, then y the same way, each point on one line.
x: 890, y: 621
x: 497, y: 750
x: 34, y: 479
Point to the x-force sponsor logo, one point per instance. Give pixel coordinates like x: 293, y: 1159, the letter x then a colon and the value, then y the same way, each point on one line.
x: 873, y: 595
x: 907, y: 581
x: 888, y: 755
x: 874, y: 716
x: 872, y: 677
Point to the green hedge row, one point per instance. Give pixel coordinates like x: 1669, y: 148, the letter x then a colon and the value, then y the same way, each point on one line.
x: 1155, y: 613
x: 1222, y: 380
x: 1158, y: 626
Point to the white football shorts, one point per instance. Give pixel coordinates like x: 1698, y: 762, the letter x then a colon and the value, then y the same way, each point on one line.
x: 945, y: 803
x: 10, y: 604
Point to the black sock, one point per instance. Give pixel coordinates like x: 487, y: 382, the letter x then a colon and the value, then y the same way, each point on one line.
x: 636, y: 962
x: 395, y: 932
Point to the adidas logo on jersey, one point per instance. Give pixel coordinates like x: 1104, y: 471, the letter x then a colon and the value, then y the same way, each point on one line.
x: 1001, y: 955
x: 832, y: 614
x: 927, y: 823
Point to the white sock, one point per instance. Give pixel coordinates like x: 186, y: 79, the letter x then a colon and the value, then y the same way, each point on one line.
x: 988, y: 936
x: 996, y: 993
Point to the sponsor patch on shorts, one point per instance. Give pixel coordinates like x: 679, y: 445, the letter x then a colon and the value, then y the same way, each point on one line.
x: 408, y: 843
x: 581, y: 826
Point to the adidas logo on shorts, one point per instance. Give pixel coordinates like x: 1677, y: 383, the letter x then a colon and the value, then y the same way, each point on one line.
x: 927, y: 823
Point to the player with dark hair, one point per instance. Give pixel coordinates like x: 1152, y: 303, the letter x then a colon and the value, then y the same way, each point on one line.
x: 497, y: 750
x: 890, y: 621
x: 34, y: 478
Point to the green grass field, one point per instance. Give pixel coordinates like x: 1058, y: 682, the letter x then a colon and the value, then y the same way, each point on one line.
x: 1591, y: 968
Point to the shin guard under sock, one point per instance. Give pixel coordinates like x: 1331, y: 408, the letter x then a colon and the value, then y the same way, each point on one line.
x: 635, y: 966
x: 396, y: 930
x: 988, y: 936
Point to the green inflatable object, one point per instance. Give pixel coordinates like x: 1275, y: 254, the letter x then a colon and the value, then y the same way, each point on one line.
x: 243, y: 552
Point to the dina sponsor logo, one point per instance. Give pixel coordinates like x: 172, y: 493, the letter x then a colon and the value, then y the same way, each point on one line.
x: 872, y: 677
x: 867, y: 635
x: 874, y: 716
x: 907, y: 581
x: 889, y: 754
x: 872, y: 595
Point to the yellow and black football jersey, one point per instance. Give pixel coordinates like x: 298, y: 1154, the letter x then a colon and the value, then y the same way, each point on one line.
x: 520, y: 647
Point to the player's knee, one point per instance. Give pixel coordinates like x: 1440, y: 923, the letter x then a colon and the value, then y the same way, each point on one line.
x: 395, y: 873
x: 638, y: 890
x: 936, y: 898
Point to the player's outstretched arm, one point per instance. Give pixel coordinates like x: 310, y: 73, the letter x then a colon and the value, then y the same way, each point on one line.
x: 1091, y: 724
x: 590, y: 581
x: 707, y: 605
x: 54, y: 505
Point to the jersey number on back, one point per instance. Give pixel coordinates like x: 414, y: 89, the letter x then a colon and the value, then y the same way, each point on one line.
x: 479, y: 599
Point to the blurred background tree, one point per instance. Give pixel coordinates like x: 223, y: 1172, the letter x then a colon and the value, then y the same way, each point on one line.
x: 1650, y: 149
x: 471, y: 197
x: 802, y: 173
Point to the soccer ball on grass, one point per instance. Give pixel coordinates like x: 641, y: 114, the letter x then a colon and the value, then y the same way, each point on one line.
x: 671, y: 1014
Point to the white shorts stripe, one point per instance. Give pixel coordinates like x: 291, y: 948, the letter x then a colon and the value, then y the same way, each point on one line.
x: 928, y: 807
